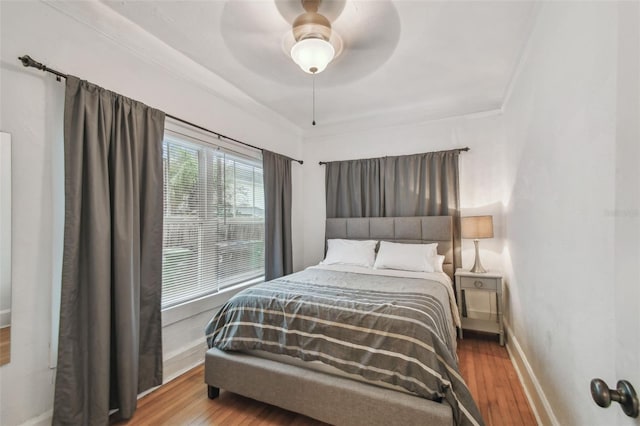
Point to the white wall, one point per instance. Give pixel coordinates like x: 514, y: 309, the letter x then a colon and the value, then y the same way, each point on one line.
x: 545, y: 170
x: 31, y: 111
x: 481, y: 171
x: 627, y: 206
x: 482, y: 186
x: 560, y: 129
x: 5, y: 230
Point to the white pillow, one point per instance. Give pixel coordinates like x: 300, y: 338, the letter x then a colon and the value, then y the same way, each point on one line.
x: 350, y: 252
x: 437, y: 261
x: 407, y: 257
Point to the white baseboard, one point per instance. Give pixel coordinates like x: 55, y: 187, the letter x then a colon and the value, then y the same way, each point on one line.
x: 173, y: 366
x: 178, y: 363
x: 43, y: 419
x: 532, y: 389
x: 5, y: 318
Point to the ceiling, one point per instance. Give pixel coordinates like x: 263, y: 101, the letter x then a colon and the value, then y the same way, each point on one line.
x: 400, y: 58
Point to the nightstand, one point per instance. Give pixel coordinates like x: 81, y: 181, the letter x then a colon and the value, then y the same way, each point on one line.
x: 490, y: 282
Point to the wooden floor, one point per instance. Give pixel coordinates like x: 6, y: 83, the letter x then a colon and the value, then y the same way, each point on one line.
x: 5, y: 345
x: 484, y: 364
x: 493, y: 382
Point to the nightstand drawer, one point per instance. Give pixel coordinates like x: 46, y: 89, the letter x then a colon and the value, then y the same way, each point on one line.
x: 478, y: 283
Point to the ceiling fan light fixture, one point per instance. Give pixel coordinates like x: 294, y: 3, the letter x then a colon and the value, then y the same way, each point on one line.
x: 312, y: 54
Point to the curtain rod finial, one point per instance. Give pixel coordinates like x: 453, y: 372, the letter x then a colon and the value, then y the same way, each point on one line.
x: 27, y: 61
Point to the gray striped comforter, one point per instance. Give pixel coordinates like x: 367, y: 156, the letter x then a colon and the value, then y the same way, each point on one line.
x: 388, y: 329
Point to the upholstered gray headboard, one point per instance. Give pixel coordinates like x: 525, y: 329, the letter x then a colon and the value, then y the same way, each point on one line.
x: 417, y: 229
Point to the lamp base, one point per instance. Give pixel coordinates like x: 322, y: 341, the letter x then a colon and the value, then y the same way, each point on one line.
x: 477, y: 266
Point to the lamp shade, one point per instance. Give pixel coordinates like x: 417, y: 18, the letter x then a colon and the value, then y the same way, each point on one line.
x: 312, y: 54
x: 477, y: 227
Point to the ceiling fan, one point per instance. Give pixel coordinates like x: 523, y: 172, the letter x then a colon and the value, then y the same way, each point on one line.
x: 364, y: 34
x: 316, y: 43
x: 355, y: 37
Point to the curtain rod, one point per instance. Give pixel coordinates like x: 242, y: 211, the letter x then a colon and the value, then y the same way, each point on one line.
x: 465, y: 149
x: 27, y: 61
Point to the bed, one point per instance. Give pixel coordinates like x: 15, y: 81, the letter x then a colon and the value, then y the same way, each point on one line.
x: 399, y: 364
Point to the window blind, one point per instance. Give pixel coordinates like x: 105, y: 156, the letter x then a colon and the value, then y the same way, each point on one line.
x: 213, y: 219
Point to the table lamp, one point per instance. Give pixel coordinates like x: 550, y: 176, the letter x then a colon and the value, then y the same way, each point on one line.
x: 477, y: 227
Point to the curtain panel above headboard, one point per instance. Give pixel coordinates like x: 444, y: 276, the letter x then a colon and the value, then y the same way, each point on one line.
x: 424, y: 184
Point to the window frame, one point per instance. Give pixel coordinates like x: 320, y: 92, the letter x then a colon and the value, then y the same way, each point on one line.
x: 207, y: 302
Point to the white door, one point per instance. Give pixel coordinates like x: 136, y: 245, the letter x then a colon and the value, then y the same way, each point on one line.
x: 627, y: 209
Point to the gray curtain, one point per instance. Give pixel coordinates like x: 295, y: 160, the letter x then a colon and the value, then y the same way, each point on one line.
x: 408, y: 185
x: 277, y: 200
x: 110, y: 343
x: 354, y: 188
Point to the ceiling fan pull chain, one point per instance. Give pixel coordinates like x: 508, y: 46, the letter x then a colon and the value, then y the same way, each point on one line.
x: 314, y: 97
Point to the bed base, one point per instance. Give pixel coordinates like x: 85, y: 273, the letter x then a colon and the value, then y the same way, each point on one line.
x: 328, y: 398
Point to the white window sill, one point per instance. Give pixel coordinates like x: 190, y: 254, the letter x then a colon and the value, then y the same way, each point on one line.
x: 191, y: 308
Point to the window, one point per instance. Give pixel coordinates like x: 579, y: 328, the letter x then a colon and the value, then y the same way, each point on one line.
x: 213, y: 219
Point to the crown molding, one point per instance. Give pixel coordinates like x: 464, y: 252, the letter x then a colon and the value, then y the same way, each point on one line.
x: 127, y: 35
x: 130, y: 37
x: 409, y: 115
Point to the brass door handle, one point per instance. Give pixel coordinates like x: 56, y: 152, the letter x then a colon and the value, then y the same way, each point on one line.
x: 624, y: 394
